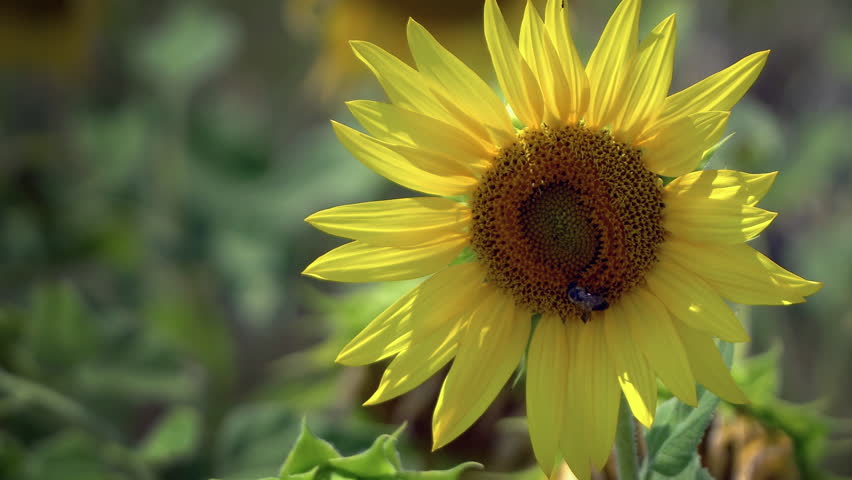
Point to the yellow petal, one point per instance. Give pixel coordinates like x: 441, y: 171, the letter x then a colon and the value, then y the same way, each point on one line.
x: 575, y: 448
x: 410, y: 89
x: 361, y: 262
x: 439, y: 162
x: 593, y: 396
x: 402, y: 84
x: 725, y: 185
x: 461, y: 83
x: 647, y: 82
x: 692, y: 301
x: 679, y: 148
x: 392, y: 124
x: 577, y: 96
x: 380, y: 158
x: 402, y: 222
x: 741, y: 274
x: 651, y: 327
x: 711, y: 220
x: 609, y: 61
x: 429, y: 307
x: 707, y: 365
x: 418, y: 362
x: 490, y: 138
x: 547, y: 362
x: 489, y: 351
x: 538, y: 50
x: 515, y: 76
x: 720, y: 91
x: 635, y: 377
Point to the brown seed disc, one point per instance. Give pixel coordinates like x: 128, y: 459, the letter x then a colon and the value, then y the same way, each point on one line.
x: 567, y: 206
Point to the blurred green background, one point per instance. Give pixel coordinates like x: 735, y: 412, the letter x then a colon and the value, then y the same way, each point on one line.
x: 157, y: 159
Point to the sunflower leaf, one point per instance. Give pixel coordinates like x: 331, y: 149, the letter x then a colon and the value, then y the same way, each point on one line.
x: 307, y: 454
x: 451, y: 474
x: 693, y: 471
x: 373, y: 462
x: 676, y: 450
x: 678, y: 429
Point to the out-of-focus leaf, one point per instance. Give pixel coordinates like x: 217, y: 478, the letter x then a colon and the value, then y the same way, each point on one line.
x: 25, y: 395
x: 758, y: 375
x: 58, y: 331
x: 253, y: 439
x: 176, y: 436
x: 178, y: 316
x: 814, y: 163
x: 119, y: 136
x: 759, y: 141
x: 192, y: 43
x: 12, y: 455
x: 71, y: 455
x: 249, y: 261
x: 134, y: 383
x: 308, y: 452
x: 803, y: 424
x: 819, y: 252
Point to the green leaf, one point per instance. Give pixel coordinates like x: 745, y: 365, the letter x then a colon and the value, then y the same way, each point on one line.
x: 677, y: 449
x: 669, y: 414
x: 678, y: 429
x: 451, y: 474
x: 392, y: 455
x: 176, y: 436
x: 370, y: 463
x: 693, y: 471
x: 309, y: 475
x: 308, y: 452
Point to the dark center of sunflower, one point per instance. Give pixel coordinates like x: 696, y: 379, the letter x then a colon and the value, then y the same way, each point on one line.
x: 567, y: 220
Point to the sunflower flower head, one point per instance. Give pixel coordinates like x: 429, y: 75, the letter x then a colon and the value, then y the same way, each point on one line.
x: 567, y: 218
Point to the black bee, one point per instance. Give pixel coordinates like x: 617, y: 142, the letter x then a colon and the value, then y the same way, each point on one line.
x: 587, y: 301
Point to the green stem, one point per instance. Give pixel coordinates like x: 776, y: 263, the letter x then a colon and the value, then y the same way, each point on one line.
x: 625, y: 444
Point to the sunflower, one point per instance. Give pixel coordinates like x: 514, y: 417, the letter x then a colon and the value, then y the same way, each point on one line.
x: 553, y: 235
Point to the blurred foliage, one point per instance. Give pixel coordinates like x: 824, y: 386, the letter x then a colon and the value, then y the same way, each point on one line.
x: 769, y: 422
x: 157, y: 159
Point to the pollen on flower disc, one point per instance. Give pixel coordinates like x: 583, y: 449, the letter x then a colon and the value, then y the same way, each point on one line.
x: 567, y: 206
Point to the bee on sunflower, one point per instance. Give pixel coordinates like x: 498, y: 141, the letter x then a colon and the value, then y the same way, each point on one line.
x: 561, y: 215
